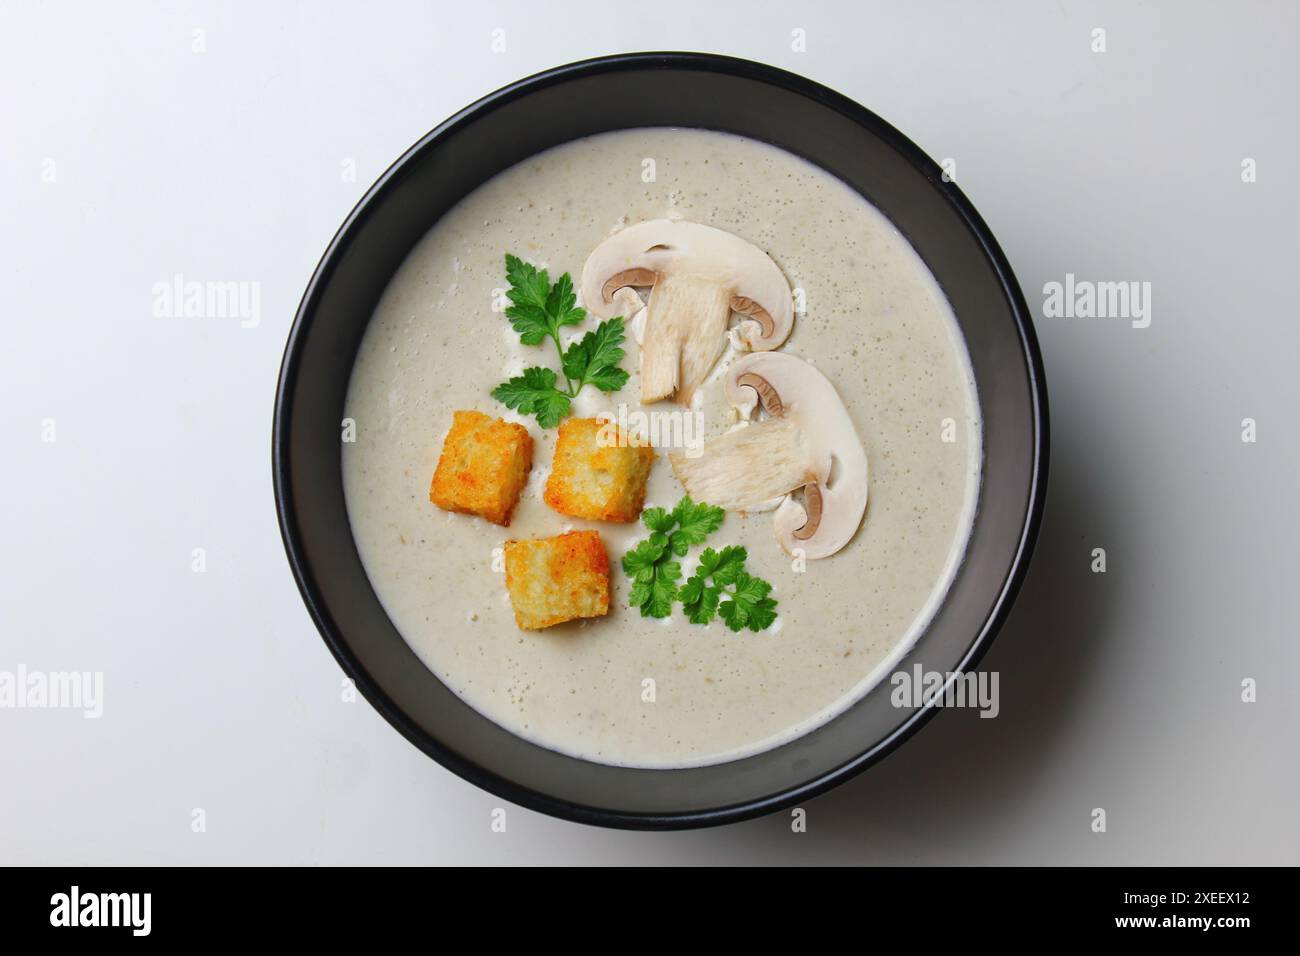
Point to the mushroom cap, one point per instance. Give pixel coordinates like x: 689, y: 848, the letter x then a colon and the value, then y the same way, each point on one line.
x: 833, y: 506
x: 641, y: 252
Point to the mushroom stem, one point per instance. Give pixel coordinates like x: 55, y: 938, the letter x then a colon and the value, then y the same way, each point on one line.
x: 685, y: 332
x: 749, y: 466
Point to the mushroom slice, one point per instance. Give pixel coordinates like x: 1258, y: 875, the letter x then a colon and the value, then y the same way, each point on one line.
x: 806, y: 442
x: 697, y: 276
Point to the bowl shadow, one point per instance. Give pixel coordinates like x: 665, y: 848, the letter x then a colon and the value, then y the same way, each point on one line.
x: 960, y: 771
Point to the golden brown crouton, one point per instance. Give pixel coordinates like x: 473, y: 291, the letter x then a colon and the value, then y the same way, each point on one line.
x: 552, y: 580
x: 599, y: 472
x: 483, y: 467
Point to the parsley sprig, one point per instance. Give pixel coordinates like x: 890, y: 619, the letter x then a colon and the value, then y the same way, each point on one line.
x: 538, y: 310
x: 650, y: 564
x: 720, y: 586
x: 722, y: 574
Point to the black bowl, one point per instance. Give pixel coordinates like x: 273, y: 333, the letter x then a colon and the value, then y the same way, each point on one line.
x: 652, y: 89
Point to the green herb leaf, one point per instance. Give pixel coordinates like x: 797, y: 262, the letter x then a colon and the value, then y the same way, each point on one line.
x: 534, y: 393
x: 699, y: 600
x: 730, y: 564
x: 560, y: 304
x: 650, y: 563
x: 762, y: 615
x: 750, y: 588
x: 537, y: 311
x: 694, y: 524
x: 708, y: 562
x: 528, y: 294
x: 692, y: 590
x: 749, y: 604
x: 657, y: 519
x: 528, y: 286
x: 734, y: 614
x: 720, y: 585
x: 552, y: 408
x: 593, y: 359
x: 607, y: 378
x: 530, y: 322
x: 662, y: 590
x: 641, y: 558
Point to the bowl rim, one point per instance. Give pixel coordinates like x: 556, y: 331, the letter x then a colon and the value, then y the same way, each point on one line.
x: 300, y: 563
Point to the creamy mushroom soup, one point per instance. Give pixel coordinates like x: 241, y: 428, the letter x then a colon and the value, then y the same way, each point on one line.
x: 623, y: 688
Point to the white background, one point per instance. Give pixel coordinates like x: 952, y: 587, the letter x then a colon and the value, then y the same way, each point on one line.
x: 1119, y: 690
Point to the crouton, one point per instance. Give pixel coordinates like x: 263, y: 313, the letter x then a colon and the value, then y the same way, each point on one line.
x: 552, y: 580
x: 483, y: 467
x: 599, y: 472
